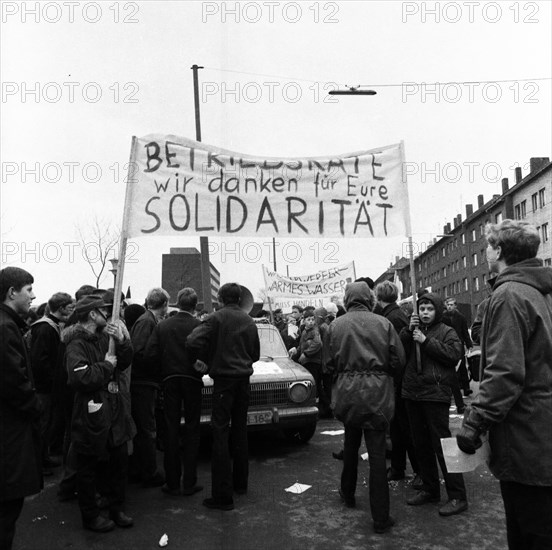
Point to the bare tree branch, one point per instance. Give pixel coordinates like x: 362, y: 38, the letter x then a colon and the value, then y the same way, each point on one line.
x: 98, y: 238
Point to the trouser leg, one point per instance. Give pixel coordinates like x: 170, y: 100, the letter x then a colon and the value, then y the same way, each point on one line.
x: 379, y: 489
x: 351, y: 444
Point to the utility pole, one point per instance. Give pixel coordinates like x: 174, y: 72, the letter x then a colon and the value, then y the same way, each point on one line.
x: 203, y: 241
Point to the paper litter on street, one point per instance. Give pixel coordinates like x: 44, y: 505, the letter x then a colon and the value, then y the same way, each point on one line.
x: 333, y: 432
x: 458, y: 461
x: 298, y: 488
x: 364, y: 456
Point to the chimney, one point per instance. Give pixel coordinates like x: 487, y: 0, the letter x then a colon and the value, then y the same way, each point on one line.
x: 504, y: 185
x: 496, y: 197
x: 519, y: 177
x: 536, y: 163
x: 480, y: 201
x: 459, y: 218
x: 469, y: 210
x: 445, y: 230
x: 455, y: 222
x: 448, y: 228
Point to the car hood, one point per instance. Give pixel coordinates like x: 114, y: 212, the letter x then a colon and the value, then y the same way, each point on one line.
x: 279, y: 369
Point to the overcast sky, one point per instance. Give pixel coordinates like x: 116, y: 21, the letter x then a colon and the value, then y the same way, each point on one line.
x: 80, y: 79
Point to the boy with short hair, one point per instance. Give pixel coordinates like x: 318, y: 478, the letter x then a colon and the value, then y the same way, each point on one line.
x: 427, y: 389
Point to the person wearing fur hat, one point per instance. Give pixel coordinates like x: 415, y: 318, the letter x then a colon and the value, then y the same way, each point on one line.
x: 427, y: 389
x: 99, y: 427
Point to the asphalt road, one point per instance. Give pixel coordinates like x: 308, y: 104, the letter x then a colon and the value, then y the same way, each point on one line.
x: 268, y: 517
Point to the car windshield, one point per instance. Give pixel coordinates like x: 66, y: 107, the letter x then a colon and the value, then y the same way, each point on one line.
x: 271, y: 342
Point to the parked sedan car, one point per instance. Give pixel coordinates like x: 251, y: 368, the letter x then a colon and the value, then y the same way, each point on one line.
x: 283, y: 393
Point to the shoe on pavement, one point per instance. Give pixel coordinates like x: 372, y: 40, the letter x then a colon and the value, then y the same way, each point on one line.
x: 394, y: 475
x: 461, y: 410
x: 189, y: 491
x: 121, y: 519
x: 422, y: 497
x: 383, y: 526
x: 452, y: 507
x: 350, y: 502
x: 417, y: 483
x: 99, y: 524
x: 168, y: 491
x: 218, y: 505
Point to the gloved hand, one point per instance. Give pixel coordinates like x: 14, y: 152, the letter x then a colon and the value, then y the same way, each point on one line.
x: 468, y: 438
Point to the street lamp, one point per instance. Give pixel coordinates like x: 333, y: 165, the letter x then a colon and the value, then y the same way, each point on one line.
x: 352, y: 91
x: 114, y: 269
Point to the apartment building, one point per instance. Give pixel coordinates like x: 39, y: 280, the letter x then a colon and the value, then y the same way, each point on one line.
x: 455, y: 264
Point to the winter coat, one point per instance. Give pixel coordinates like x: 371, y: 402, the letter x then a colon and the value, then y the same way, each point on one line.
x: 167, y: 347
x: 143, y: 371
x: 100, y: 418
x: 458, y: 322
x: 228, y: 341
x: 365, y: 350
x: 440, y: 353
x: 515, y: 395
x: 310, y: 347
x: 396, y: 316
x: 20, y: 444
x: 45, y: 339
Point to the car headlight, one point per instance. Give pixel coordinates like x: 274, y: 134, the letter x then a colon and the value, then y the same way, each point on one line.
x: 299, y: 391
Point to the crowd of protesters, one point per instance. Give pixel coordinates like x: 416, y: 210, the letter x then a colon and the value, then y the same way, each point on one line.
x: 79, y: 382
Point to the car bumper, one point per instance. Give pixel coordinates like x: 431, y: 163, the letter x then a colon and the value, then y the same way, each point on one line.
x: 288, y: 417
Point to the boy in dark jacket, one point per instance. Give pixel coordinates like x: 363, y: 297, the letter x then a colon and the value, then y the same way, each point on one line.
x: 309, y: 352
x: 427, y: 389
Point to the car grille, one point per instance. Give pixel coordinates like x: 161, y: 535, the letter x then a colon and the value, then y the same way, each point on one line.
x: 267, y: 393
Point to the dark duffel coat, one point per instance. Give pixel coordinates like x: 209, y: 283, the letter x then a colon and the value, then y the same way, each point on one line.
x: 20, y: 456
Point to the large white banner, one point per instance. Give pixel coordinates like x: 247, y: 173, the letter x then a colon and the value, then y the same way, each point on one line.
x: 177, y: 186
x: 315, y: 289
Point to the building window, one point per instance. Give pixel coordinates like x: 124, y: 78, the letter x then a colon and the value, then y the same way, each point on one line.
x: 463, y: 238
x: 474, y: 259
x: 548, y: 262
x: 476, y: 283
x: 457, y: 267
x: 498, y: 217
x: 481, y: 229
x: 484, y: 278
x: 474, y: 235
x: 444, y: 252
x: 523, y: 209
x: 517, y: 212
x: 544, y: 232
x: 542, y: 200
x: 444, y: 271
x: 464, y: 263
x: 465, y: 283
x: 534, y: 202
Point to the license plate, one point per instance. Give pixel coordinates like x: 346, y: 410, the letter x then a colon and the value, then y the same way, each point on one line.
x: 264, y: 417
